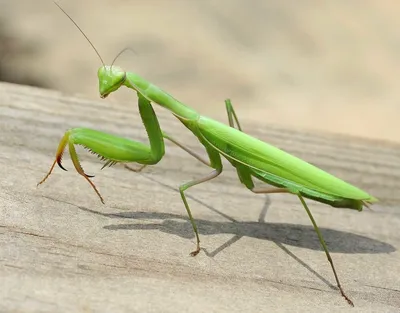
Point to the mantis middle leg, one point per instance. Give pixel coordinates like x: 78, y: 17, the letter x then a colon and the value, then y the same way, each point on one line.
x: 214, y: 161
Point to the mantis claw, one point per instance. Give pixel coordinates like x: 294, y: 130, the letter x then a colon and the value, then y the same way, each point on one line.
x: 59, y: 160
x: 66, y: 140
x: 60, y: 165
x: 348, y: 300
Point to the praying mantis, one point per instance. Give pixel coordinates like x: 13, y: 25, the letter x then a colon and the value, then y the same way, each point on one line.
x: 251, y: 157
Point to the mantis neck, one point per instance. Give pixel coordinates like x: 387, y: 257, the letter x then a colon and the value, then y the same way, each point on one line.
x: 160, y: 97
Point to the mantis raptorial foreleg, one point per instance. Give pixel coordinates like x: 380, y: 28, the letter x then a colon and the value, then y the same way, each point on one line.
x: 114, y: 149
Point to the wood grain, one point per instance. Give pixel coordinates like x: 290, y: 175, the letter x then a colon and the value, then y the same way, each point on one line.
x: 63, y: 251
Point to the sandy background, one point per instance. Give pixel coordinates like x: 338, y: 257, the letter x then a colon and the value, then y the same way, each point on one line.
x: 331, y: 66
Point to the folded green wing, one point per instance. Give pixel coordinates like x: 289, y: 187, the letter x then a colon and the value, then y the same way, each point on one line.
x: 264, y: 157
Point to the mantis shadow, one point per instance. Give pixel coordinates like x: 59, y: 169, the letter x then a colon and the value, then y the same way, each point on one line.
x: 280, y: 233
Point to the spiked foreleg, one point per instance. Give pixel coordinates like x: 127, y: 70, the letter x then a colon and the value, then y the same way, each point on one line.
x: 111, y: 148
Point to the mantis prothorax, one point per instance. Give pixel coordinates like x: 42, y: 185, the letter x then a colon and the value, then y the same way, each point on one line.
x: 251, y: 157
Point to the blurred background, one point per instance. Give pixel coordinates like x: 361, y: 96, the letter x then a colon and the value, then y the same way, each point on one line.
x: 315, y: 65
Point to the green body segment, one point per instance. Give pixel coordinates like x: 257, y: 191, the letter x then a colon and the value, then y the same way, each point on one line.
x: 276, y: 166
x: 156, y: 95
x: 111, y: 79
x: 251, y: 157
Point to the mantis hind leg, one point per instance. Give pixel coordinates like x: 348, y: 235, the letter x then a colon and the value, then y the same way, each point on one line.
x: 322, y: 241
x: 268, y: 190
x: 246, y: 178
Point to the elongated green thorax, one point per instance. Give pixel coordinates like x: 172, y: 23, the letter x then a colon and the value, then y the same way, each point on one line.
x: 112, y: 78
x: 160, y: 97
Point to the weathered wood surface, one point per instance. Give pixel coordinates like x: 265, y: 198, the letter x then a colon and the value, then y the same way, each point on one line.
x: 63, y: 251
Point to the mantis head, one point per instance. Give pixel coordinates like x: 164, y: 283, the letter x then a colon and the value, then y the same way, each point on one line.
x: 110, y: 79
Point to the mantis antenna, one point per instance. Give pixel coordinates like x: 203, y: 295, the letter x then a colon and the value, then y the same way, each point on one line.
x: 121, y: 52
x: 94, y: 48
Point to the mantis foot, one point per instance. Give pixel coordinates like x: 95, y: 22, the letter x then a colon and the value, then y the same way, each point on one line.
x: 136, y: 170
x: 195, y: 252
x: 347, y: 298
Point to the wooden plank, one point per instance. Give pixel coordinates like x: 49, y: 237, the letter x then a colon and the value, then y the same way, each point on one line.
x: 63, y: 251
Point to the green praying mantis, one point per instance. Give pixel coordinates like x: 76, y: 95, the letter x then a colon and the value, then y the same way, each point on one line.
x: 251, y: 157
